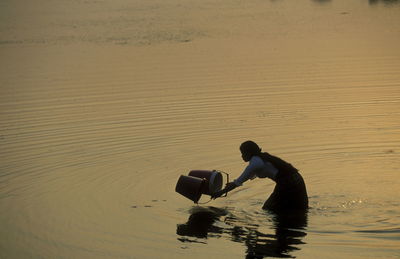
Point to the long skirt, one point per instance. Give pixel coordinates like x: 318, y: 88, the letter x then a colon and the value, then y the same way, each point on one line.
x: 290, y: 193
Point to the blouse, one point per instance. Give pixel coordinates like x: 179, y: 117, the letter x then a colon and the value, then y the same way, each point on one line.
x: 257, y: 168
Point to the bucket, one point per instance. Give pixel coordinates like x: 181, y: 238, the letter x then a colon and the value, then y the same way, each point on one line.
x: 191, y: 187
x: 213, y: 180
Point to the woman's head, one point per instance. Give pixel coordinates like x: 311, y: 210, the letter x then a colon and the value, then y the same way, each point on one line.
x: 249, y: 149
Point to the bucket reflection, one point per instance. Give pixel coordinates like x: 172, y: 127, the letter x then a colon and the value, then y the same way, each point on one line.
x: 287, y: 231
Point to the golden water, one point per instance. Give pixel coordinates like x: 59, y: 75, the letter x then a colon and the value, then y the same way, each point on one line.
x: 103, y: 105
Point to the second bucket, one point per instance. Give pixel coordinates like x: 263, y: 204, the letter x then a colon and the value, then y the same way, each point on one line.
x: 190, y: 187
x: 213, y: 180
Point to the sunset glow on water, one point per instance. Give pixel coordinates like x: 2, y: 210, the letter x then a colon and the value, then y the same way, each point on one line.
x: 104, y: 104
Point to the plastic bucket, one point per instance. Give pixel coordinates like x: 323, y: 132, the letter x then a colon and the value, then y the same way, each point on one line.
x: 213, y: 180
x: 190, y: 187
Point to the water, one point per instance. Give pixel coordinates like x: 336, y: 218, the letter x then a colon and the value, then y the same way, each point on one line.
x: 104, y: 105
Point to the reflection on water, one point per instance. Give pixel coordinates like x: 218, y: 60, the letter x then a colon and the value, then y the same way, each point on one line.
x: 288, y: 231
x: 200, y: 224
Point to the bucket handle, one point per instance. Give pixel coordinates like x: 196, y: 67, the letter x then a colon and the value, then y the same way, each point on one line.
x: 227, y: 179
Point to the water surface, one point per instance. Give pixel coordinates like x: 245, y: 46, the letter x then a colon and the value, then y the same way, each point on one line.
x: 103, y: 105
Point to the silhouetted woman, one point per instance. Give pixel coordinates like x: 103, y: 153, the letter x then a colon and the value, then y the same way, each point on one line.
x: 290, y: 190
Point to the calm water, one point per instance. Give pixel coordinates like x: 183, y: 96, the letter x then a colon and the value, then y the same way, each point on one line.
x: 104, y: 104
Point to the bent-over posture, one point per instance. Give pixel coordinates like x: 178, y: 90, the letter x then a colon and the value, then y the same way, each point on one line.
x: 290, y: 191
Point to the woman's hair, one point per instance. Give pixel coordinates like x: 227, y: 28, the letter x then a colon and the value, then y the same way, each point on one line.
x: 250, y: 148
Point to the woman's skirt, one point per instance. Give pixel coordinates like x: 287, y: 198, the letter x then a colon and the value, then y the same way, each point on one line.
x: 290, y: 193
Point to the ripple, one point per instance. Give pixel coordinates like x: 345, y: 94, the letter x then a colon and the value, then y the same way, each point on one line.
x: 101, y: 112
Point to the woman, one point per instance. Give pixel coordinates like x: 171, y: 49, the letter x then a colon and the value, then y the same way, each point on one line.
x: 290, y: 191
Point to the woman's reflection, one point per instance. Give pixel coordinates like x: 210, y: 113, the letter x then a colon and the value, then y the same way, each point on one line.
x: 289, y: 229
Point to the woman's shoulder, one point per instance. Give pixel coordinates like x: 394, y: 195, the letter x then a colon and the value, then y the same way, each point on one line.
x: 256, y: 160
x: 256, y: 157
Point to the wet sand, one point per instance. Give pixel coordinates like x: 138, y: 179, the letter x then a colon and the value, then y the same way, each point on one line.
x: 104, y: 105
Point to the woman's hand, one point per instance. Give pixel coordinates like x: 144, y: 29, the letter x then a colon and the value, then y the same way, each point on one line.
x: 217, y: 194
x: 228, y: 187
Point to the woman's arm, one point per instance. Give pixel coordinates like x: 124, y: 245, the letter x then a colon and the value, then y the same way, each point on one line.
x: 256, y: 163
x: 248, y: 173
